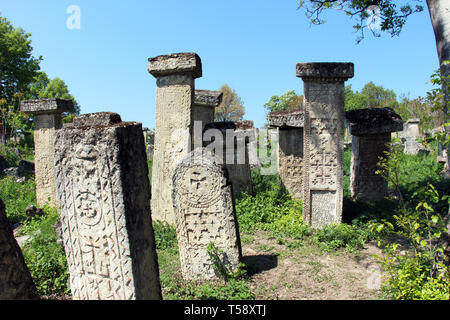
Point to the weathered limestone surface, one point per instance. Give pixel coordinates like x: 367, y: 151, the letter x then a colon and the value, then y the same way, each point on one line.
x: 175, y: 75
x: 203, y: 201
x: 371, y: 131
x: 323, y: 140
x: 205, y: 102
x: 15, y: 278
x: 290, y: 149
x: 236, y: 138
x: 288, y: 118
x: 409, y: 137
x: 47, y: 119
x: 103, y: 188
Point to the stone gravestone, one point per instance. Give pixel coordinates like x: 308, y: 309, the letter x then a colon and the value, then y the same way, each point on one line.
x: 205, y: 213
x: 47, y: 119
x: 15, y: 278
x: 409, y: 137
x: 323, y: 140
x: 175, y: 74
x: 103, y: 188
x: 205, y: 101
x: 290, y: 125
x: 231, y: 145
x: 371, y: 131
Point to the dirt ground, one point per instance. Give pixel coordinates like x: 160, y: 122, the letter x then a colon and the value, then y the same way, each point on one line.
x: 306, y: 273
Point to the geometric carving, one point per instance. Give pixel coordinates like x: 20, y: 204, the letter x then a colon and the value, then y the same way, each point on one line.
x: 323, y: 140
x: 290, y: 160
x: 205, y: 213
x: 103, y: 189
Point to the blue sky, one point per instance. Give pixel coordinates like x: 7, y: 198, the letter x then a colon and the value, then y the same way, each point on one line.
x: 250, y: 45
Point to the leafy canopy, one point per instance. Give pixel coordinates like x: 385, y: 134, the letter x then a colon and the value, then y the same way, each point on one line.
x: 391, y: 15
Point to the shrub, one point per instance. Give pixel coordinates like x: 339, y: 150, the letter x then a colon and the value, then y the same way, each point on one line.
x: 12, y: 159
x: 44, y: 257
x: 341, y: 236
x: 165, y: 235
x: 17, y: 196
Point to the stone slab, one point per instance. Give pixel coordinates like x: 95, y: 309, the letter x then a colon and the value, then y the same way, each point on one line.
x: 15, y: 278
x: 175, y: 63
x: 46, y: 106
x: 287, y: 118
x: 373, y: 121
x: 104, y: 192
x: 204, y: 206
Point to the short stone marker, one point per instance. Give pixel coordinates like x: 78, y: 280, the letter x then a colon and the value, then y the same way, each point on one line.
x: 47, y: 119
x: 204, y: 207
x: 290, y: 125
x: 323, y: 140
x: 103, y: 188
x: 205, y: 102
x: 371, y: 131
x: 15, y: 278
x: 409, y: 137
x: 236, y: 137
x: 175, y: 74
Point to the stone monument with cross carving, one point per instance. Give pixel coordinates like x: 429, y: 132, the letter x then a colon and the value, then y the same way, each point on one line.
x: 47, y: 119
x: 290, y: 125
x: 205, y: 214
x: 323, y: 85
x: 175, y: 76
x: 103, y: 188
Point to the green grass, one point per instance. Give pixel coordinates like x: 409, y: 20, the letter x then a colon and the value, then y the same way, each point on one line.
x: 17, y: 196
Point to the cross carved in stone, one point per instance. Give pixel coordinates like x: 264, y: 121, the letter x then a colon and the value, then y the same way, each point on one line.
x: 323, y: 165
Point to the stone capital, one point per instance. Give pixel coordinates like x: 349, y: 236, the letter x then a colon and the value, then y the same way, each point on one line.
x: 46, y: 106
x: 373, y: 121
x: 325, y: 71
x: 287, y: 118
x: 207, y: 98
x: 175, y: 63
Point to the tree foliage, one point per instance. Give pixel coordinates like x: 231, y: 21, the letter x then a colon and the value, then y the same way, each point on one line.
x: 43, y: 87
x: 17, y: 65
x: 20, y: 79
x: 391, y: 15
x: 287, y: 101
x: 231, y: 108
x: 371, y: 96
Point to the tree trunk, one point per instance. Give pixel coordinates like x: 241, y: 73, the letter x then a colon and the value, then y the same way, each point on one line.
x: 440, y: 19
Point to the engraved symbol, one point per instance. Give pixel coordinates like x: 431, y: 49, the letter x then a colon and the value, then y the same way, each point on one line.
x: 323, y: 165
x: 200, y: 186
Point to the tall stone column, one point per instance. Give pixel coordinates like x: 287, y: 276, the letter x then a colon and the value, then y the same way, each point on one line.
x: 290, y: 149
x: 103, y: 188
x: 323, y: 140
x: 175, y: 75
x: 371, y: 131
x: 47, y: 119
